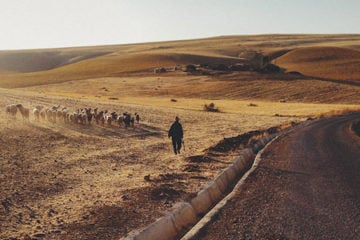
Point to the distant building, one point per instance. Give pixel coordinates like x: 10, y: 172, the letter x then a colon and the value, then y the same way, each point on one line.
x: 160, y: 70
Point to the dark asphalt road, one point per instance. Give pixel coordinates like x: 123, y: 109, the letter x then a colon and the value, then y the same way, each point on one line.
x: 307, y: 186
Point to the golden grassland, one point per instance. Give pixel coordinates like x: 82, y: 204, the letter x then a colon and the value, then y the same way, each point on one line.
x: 323, y: 62
x: 61, y: 178
x: 328, y: 65
x: 82, y: 63
x: 66, y: 181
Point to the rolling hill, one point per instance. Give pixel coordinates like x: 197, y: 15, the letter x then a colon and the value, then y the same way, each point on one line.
x: 34, y: 61
x: 327, y: 67
x: 323, y: 62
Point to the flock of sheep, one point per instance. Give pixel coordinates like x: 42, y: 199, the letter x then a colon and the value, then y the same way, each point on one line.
x: 79, y: 116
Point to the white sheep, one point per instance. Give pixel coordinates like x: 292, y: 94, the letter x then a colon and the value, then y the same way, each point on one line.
x: 36, y: 111
x: 11, y: 109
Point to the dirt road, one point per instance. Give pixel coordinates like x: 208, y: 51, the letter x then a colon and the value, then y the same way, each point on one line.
x: 305, y: 187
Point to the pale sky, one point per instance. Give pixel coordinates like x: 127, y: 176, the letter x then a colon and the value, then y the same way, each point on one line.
x: 28, y: 24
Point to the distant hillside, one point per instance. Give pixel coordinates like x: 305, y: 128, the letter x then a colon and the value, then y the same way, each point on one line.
x: 31, y: 61
x: 109, y: 65
x: 323, y: 62
x: 324, y: 56
x: 226, y: 46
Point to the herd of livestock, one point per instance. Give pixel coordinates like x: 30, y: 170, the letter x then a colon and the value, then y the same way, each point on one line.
x: 56, y: 114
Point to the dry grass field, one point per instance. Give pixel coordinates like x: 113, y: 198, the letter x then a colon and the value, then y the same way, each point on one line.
x: 76, y: 181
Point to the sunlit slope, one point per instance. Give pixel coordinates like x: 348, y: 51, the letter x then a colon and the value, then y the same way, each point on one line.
x: 229, y: 46
x: 109, y: 65
x: 52, y: 66
x: 33, y: 61
x: 323, y: 62
x: 115, y: 63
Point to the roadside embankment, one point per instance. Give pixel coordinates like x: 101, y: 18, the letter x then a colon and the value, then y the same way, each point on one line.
x: 186, y: 214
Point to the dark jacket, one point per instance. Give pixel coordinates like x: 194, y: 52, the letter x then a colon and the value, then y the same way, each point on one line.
x: 176, y: 130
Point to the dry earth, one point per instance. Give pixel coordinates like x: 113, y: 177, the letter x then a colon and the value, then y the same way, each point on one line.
x: 87, y: 182
x: 61, y: 181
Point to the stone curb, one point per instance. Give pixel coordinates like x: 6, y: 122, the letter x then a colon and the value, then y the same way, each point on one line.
x: 210, y: 215
x: 186, y: 215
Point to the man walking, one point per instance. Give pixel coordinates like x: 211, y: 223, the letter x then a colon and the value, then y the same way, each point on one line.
x: 176, y: 133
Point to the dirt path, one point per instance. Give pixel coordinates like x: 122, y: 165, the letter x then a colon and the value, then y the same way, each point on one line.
x: 305, y: 187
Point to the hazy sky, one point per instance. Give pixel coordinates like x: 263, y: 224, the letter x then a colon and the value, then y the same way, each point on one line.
x: 59, y: 23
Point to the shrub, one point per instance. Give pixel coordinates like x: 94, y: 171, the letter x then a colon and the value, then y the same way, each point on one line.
x: 190, y: 68
x: 211, y: 108
x: 295, y: 73
x: 270, y: 68
x: 220, y: 67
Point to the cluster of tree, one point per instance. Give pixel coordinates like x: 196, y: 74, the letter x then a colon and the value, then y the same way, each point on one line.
x: 268, y: 68
x: 211, y: 108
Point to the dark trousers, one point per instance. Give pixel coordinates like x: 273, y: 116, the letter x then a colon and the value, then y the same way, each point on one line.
x: 176, y: 145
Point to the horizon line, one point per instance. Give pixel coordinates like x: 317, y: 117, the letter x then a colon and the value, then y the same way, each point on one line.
x: 176, y: 40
